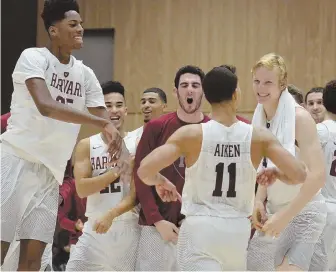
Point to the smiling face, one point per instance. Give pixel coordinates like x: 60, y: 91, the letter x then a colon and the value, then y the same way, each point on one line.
x: 314, y: 105
x: 266, y: 85
x: 69, y: 31
x: 151, y: 106
x: 189, y: 92
x: 116, y: 107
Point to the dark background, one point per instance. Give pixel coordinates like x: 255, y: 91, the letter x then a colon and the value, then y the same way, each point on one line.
x: 18, y: 32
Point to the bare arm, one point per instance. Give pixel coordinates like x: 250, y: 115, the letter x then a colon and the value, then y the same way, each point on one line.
x: 86, y: 184
x: 126, y: 204
x: 103, y: 224
x: 290, y: 167
x: 261, y: 194
x: 312, y: 155
x: 48, y: 107
x: 164, y: 156
x: 99, y: 111
x: 157, y: 160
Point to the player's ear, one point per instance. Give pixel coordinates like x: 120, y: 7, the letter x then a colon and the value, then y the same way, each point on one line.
x: 125, y: 111
x: 175, y: 92
x: 52, y: 31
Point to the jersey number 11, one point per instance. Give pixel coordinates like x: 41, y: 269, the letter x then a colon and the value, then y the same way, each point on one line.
x: 219, y: 180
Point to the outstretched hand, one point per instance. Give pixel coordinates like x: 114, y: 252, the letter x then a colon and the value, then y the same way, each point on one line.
x: 167, y: 192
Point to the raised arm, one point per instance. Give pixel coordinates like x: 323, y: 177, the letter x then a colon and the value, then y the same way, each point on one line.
x: 86, y: 184
x: 30, y: 70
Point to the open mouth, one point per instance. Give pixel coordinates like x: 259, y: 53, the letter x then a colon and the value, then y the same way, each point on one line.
x: 115, y: 118
x: 189, y: 100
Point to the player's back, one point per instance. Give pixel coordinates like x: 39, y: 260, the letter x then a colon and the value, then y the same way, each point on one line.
x: 99, y: 203
x: 327, y: 134
x: 221, y: 182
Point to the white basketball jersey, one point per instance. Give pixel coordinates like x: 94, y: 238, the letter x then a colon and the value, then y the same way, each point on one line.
x: 132, y: 139
x: 99, y: 203
x: 327, y: 134
x: 222, y: 181
x: 42, y: 139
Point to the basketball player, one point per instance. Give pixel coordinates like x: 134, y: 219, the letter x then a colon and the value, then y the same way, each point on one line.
x: 12, y: 257
x: 160, y: 220
x: 293, y: 249
x: 152, y: 105
x: 314, y: 104
x: 51, y: 93
x: 327, y: 134
x: 104, y: 188
x: 216, y: 231
x: 296, y: 93
x: 233, y: 69
x: 153, y: 102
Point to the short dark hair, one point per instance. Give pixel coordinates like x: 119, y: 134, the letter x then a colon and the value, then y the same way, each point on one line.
x: 219, y: 85
x: 296, y: 93
x: 314, y: 90
x: 329, y: 96
x: 54, y: 10
x: 232, y: 68
x: 158, y: 91
x: 189, y: 69
x: 113, y: 87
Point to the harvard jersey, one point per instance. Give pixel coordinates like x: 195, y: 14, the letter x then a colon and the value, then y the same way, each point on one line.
x: 99, y: 203
x: 327, y: 134
x: 132, y: 139
x: 38, y: 138
x: 222, y: 181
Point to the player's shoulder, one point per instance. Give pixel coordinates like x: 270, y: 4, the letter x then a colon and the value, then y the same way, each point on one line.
x: 37, y: 53
x: 162, y: 120
x: 82, y: 149
x: 191, y: 130
x: 322, y: 126
x: 35, y: 50
x: 323, y: 131
x: 84, y: 143
x: 135, y: 132
x: 302, y: 116
x: 87, y: 69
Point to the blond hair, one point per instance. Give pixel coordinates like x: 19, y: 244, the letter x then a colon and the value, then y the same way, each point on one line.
x: 273, y: 61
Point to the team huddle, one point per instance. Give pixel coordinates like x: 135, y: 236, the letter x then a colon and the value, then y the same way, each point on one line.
x: 178, y: 193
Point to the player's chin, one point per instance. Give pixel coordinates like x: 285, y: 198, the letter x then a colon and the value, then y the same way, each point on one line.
x: 77, y: 45
x: 190, y: 108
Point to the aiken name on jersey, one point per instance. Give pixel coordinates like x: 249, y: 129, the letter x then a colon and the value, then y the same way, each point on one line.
x: 229, y: 151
